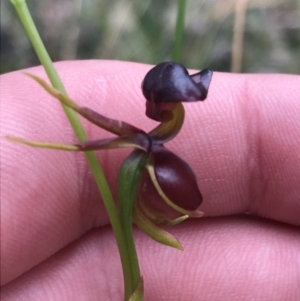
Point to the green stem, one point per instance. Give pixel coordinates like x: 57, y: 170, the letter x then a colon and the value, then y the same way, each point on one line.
x: 25, y: 16
x: 181, y: 7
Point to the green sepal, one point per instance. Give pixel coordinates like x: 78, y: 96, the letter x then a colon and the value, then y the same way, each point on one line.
x: 128, y: 181
x: 156, y: 233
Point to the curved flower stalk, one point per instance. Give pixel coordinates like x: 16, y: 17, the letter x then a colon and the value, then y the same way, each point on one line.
x: 155, y: 186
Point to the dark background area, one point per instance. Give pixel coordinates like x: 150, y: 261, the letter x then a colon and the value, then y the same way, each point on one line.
x: 143, y: 31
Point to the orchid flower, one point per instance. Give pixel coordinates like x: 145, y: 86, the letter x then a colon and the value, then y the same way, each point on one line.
x: 155, y: 186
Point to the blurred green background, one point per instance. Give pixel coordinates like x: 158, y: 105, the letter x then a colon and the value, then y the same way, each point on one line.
x: 143, y: 31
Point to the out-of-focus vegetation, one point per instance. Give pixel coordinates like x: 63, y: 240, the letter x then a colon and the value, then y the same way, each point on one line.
x: 143, y: 31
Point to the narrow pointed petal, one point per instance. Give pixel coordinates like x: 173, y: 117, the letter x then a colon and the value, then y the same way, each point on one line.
x: 137, y: 141
x: 157, y: 217
x: 153, y: 231
x: 178, y: 220
x: 114, y: 126
x: 66, y: 147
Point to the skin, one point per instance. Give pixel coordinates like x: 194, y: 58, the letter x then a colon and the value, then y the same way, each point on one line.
x: 243, y: 143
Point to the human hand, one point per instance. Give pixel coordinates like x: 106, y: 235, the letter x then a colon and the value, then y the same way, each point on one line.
x: 243, y: 144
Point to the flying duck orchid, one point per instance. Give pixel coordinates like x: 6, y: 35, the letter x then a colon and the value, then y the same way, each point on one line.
x: 155, y: 186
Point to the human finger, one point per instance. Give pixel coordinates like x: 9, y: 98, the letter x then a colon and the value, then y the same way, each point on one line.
x: 241, y: 163
x: 224, y: 259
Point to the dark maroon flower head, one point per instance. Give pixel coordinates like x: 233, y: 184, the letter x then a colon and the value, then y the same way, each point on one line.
x: 169, y: 83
